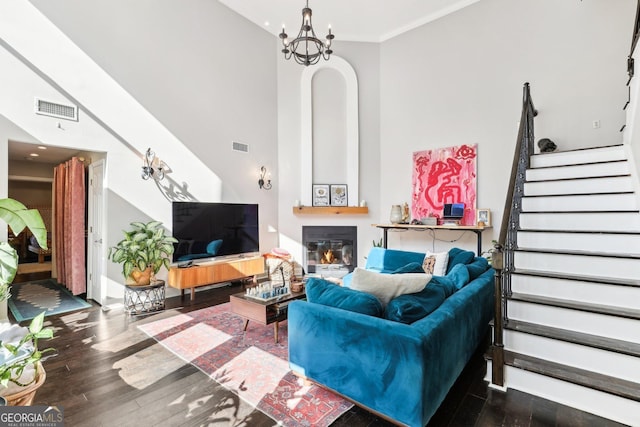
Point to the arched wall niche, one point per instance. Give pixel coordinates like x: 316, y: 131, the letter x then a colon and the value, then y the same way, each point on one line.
x: 351, y: 152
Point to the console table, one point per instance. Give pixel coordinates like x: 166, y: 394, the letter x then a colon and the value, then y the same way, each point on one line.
x: 420, y: 227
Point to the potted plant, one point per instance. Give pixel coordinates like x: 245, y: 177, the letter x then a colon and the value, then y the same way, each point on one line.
x: 18, y: 217
x: 143, y: 252
x: 20, y: 358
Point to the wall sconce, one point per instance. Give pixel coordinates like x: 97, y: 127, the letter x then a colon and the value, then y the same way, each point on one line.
x: 152, y: 166
x: 265, y: 185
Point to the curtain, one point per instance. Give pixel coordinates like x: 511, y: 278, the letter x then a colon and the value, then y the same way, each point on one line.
x: 69, y: 228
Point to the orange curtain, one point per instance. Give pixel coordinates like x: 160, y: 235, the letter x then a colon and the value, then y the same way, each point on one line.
x: 69, y: 205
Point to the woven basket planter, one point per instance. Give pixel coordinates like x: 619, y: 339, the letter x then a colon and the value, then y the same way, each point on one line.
x: 25, y: 396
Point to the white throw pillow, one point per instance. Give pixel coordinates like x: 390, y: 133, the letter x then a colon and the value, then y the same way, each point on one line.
x: 386, y: 287
x: 439, y: 267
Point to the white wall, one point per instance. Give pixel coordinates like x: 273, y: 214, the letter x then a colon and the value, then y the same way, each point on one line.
x: 193, y: 90
x: 365, y: 59
x: 458, y: 80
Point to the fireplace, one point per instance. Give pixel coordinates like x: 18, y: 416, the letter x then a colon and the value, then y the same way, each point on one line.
x: 330, y: 251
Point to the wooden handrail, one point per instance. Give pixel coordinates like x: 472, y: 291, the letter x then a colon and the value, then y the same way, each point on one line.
x: 503, y: 251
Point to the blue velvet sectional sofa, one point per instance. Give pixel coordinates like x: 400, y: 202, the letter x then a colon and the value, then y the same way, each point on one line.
x: 401, y: 369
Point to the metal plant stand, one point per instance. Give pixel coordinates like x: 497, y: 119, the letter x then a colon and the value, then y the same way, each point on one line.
x: 144, y: 299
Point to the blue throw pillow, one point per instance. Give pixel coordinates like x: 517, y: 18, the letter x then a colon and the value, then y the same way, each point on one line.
x: 477, y: 267
x: 412, y: 267
x: 410, y: 308
x: 459, y: 275
x: 323, y: 292
x: 459, y: 256
x: 444, y: 282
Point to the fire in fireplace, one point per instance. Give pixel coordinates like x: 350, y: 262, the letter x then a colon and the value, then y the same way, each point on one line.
x: 330, y: 250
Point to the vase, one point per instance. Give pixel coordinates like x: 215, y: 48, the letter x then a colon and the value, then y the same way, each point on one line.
x: 396, y: 214
x: 141, y: 278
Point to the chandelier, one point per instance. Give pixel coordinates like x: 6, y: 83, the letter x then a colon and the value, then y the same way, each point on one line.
x: 306, y: 48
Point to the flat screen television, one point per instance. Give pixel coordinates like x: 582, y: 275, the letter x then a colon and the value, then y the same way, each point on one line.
x: 208, y: 230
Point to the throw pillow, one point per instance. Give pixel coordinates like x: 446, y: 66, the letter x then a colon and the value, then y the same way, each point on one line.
x: 410, y: 308
x: 459, y: 256
x: 412, y: 267
x: 459, y: 274
x: 385, y: 287
x: 323, y: 292
x: 477, y: 267
x: 436, y: 263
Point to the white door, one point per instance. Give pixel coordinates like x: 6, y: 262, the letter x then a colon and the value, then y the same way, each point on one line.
x: 95, y: 253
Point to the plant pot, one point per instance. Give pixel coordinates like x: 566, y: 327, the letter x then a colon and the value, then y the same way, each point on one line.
x: 140, y: 278
x: 25, y: 396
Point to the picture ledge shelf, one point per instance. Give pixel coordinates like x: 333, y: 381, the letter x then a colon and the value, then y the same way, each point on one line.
x: 329, y: 210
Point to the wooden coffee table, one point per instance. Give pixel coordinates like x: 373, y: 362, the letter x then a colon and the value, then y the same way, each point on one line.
x: 264, y: 312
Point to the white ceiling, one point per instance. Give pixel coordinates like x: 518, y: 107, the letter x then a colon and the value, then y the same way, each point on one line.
x: 350, y: 20
x: 47, y: 154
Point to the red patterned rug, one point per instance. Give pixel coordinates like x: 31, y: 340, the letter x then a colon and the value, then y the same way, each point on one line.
x: 249, y: 364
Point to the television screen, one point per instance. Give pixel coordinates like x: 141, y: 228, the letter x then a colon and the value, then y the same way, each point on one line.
x: 207, y: 230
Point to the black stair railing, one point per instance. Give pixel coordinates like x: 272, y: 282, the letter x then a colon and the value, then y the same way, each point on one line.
x: 503, y: 255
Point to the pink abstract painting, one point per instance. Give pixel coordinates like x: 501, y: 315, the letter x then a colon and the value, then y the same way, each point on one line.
x: 445, y: 175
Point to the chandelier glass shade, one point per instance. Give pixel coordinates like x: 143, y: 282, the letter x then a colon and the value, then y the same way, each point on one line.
x: 306, y: 49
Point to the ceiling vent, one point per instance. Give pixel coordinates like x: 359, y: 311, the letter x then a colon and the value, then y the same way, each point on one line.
x: 52, y: 109
x: 239, y: 146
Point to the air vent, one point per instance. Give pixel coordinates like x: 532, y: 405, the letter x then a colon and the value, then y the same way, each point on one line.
x: 52, y: 109
x: 239, y: 146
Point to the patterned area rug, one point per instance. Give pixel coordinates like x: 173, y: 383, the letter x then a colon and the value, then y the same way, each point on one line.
x: 32, y: 298
x: 249, y: 364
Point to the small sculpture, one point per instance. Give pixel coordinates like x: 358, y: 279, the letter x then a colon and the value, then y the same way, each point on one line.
x: 405, y: 213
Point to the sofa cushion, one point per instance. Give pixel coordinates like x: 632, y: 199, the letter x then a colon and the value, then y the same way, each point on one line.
x: 478, y: 266
x: 411, y: 307
x: 459, y: 256
x: 459, y: 275
x: 412, y: 267
x: 436, y: 263
x: 388, y: 260
x: 323, y: 292
x: 385, y: 287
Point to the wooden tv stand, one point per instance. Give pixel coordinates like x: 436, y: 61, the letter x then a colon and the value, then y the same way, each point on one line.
x: 214, y: 272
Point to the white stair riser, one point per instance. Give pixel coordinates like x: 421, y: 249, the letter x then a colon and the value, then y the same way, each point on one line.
x: 590, y: 323
x: 605, y: 405
x: 604, y: 154
x: 588, y: 358
x: 591, y: 202
x: 614, y: 222
x: 575, y: 290
x: 620, y: 184
x: 579, y: 171
x: 596, y: 242
x: 624, y: 268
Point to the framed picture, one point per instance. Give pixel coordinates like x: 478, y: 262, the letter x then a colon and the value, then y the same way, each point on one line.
x: 483, y: 217
x: 339, y: 195
x: 321, y: 195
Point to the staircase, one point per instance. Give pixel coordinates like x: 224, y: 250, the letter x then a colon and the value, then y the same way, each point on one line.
x: 571, y: 310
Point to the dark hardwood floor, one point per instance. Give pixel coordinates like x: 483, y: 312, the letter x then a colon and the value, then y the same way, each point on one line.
x: 108, y: 373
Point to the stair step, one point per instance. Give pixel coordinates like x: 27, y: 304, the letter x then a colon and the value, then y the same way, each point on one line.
x: 581, y: 277
x: 587, y: 265
x: 580, y: 252
x: 619, y: 184
x: 604, y: 383
x: 577, y: 290
x: 608, y: 310
x: 590, y: 321
x: 589, y: 170
x: 578, y: 157
x: 595, y: 341
x: 606, y: 222
x: 605, y: 243
x: 618, y: 202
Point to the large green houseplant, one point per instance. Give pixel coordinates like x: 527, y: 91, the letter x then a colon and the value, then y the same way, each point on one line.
x: 21, y: 353
x: 143, y: 251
